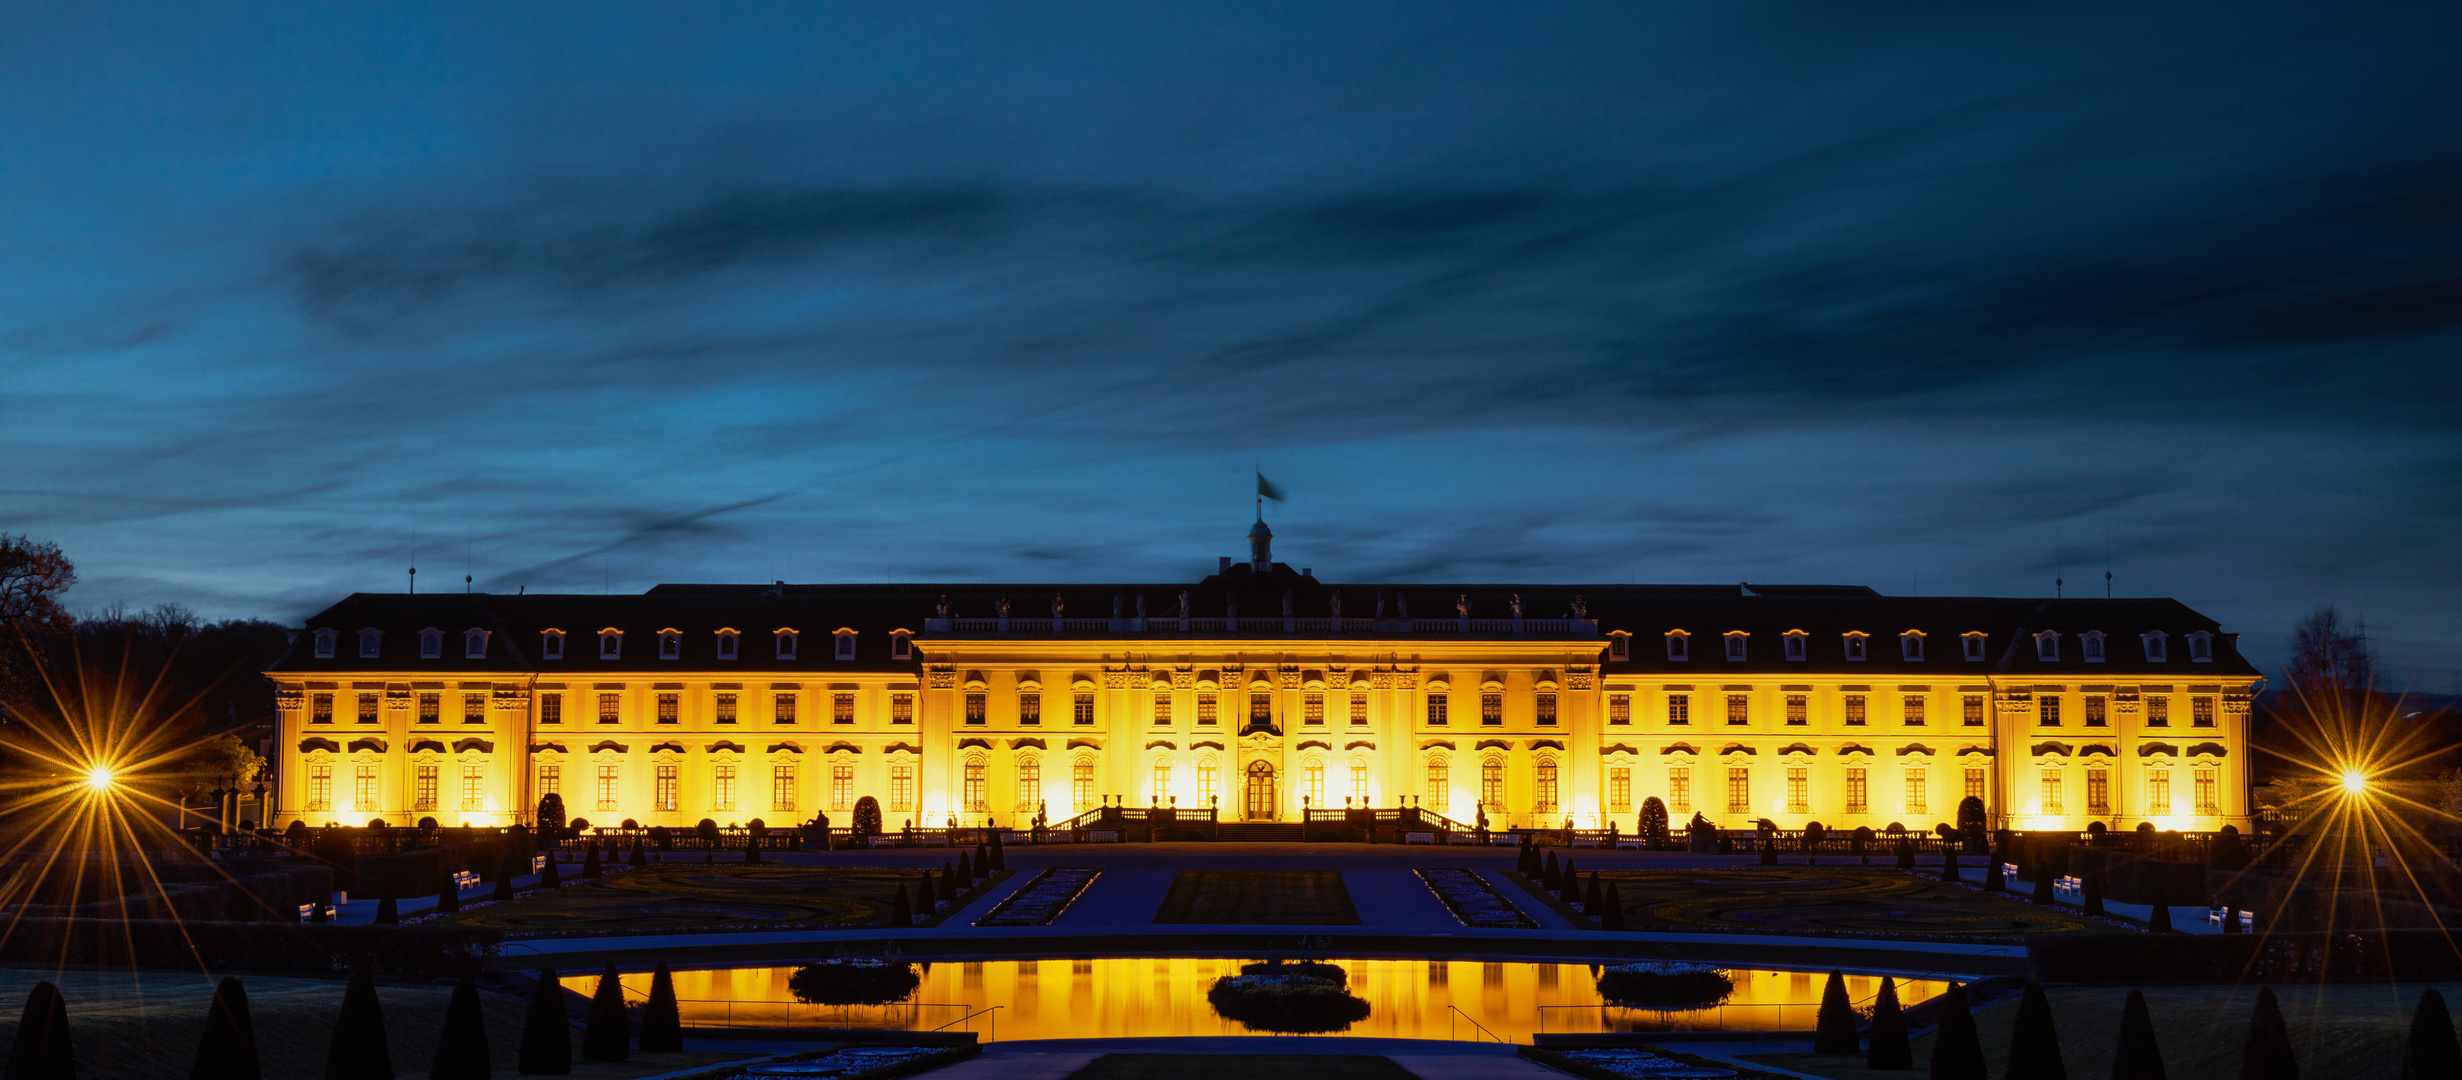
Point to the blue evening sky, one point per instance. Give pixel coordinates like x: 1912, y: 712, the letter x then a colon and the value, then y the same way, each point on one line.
x: 1949, y: 298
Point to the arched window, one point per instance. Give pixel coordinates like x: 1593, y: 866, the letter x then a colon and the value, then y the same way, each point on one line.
x: 1440, y: 783
x: 977, y: 801
x: 1492, y: 783
x: 1359, y: 782
x: 1162, y: 782
x: 611, y: 644
x: 1312, y: 782
x: 371, y: 641
x: 431, y: 643
x: 1029, y: 785
x: 1545, y: 798
x: 1209, y: 781
x: 324, y: 644
x: 474, y: 644
x: 1081, y: 783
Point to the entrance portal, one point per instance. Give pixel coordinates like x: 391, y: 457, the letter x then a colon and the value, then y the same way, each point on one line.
x: 1261, y: 801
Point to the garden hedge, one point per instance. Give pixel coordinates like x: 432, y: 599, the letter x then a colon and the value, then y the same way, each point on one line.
x: 424, y: 951
x: 2279, y: 958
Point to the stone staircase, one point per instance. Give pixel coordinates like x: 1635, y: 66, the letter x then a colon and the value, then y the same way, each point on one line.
x: 1259, y: 831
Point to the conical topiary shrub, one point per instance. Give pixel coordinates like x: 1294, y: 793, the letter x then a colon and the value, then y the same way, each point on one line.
x: 1526, y: 861
x: 590, y: 867
x: 358, y: 1050
x: 505, y: 874
x: 899, y: 913
x: 549, y: 876
x: 448, y: 895
x: 1906, y: 854
x: 461, y: 1049
x: 639, y: 857
x: 2135, y: 1056
x: 228, y: 1049
x: 2159, y: 920
x: 2266, y: 1053
x: 1949, y: 866
x: 42, y: 1050
x: 1000, y: 861
x: 1994, y: 878
x: 2043, y: 885
x: 950, y: 884
x: 1768, y: 849
x: 546, y: 1039
x: 1957, y: 1052
x: 2231, y: 920
x: 388, y: 910
x: 662, y: 1024
x: 965, y: 868
x: 1833, y: 1030
x: 1591, y: 899
x: 1613, y: 917
x: 2034, y: 1044
x: 1887, y: 1046
x: 2432, y: 1053
x: 2094, y: 894
x: 925, y: 901
x: 1549, y: 876
x: 752, y: 849
x: 607, y: 1037
x: 1568, y: 882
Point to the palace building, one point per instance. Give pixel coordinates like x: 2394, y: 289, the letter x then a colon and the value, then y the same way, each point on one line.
x: 1261, y: 691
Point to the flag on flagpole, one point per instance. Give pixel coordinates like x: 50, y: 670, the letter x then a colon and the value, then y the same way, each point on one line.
x: 1266, y: 489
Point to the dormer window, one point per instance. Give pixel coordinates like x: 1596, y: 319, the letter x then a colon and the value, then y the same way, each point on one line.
x: 1679, y: 645
x: 1797, y: 647
x: 786, y: 644
x: 846, y: 644
x: 431, y: 643
x: 2047, y: 646
x: 726, y: 644
x: 324, y: 644
x: 2201, y: 648
x: 1735, y: 644
x: 1619, y: 645
x: 551, y: 644
x: 1855, y: 641
x: 901, y: 645
x: 2090, y: 645
x: 611, y: 644
x: 1972, y: 642
x: 670, y: 644
x: 474, y: 644
x: 1910, y: 646
x: 370, y: 640
x: 2158, y: 646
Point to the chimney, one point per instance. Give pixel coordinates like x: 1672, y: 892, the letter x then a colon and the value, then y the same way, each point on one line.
x: 1225, y: 568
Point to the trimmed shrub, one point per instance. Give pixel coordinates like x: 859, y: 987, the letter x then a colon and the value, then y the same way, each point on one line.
x: 1568, y: 882
x: 1994, y: 879
x: 999, y: 860
x: 752, y: 849
x: 1286, y: 1003
x: 461, y: 1050
x: 853, y: 982
x: 2043, y: 884
x: 42, y: 1050
x: 607, y: 1037
x: 639, y: 857
x: 423, y: 952
x: 2094, y: 894
x: 1906, y: 854
x: 1949, y: 869
x: 1957, y: 1052
x: 1670, y: 985
x: 949, y: 881
x: 2136, y: 1057
x: 1548, y: 874
x: 966, y: 868
x: 448, y: 895
x: 1887, y: 1047
x: 1613, y: 917
x: 1592, y: 901
x: 925, y: 902
x: 1769, y: 852
x: 2266, y: 1053
x: 899, y: 913
x: 2159, y: 920
x: 2280, y: 957
x: 2432, y: 1053
x: 546, y: 1039
x: 550, y: 877
x: 1833, y: 1030
x: 2034, y: 1043
x: 2231, y: 919
x: 357, y: 1050
x: 227, y: 1051
x: 590, y: 867
x: 388, y: 910
x: 662, y: 1024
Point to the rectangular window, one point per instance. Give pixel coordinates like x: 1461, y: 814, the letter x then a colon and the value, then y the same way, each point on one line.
x: 1312, y: 711
x: 424, y: 785
x: 1914, y: 710
x: 2098, y: 791
x: 782, y: 787
x: 1081, y: 710
x: 1491, y: 709
x: 1162, y: 706
x: 2158, y: 793
x: 551, y: 780
x: 783, y: 708
x: 670, y: 646
x: 1359, y: 782
x: 1918, y: 792
x: 2158, y: 711
x: 1855, y: 715
x: 1081, y: 786
x: 551, y: 708
x: 723, y: 708
x: 320, y: 708
x: 2050, y: 791
x: 1799, y: 790
x: 1030, y: 708
x: 1492, y: 784
x: 901, y: 708
x: 1440, y: 785
x: 722, y: 788
x: 1974, y: 783
x: 1546, y: 795
x: 846, y: 646
x: 1029, y: 787
x: 610, y: 775
x: 1739, y: 709
x: 1619, y: 646
x: 1207, y: 706
x: 841, y: 708
x: 1546, y: 704
x: 474, y: 787
x: 902, y: 787
x: 667, y: 799
x: 363, y: 788
x: 975, y: 708
x: 1679, y: 709
x: 1970, y: 710
x: 1260, y: 710
x: 2201, y: 712
x: 367, y: 708
x: 2048, y: 709
x: 1619, y: 709
x: 670, y: 708
x: 1735, y: 646
x: 1619, y: 790
x: 976, y: 800
x: 841, y: 787
x: 2206, y: 803
x: 610, y: 708
x: 320, y: 788
x: 1679, y: 790
x: 2096, y: 710
x: 1208, y: 783
x: 474, y: 708
x: 1739, y: 789
x: 1436, y: 710
x: 431, y: 708
x: 1162, y: 784
x: 1856, y: 791
x: 1359, y: 709
x: 1799, y: 710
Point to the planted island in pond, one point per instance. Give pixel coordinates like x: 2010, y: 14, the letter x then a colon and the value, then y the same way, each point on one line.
x: 854, y: 982
x: 1288, y: 999
x: 1665, y: 985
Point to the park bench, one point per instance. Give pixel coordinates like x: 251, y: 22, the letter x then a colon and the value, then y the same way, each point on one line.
x: 465, y: 879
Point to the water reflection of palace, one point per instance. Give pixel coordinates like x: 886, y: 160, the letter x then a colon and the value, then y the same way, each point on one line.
x: 1260, y: 690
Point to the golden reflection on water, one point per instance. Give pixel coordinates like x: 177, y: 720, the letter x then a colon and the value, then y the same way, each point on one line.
x: 1143, y: 997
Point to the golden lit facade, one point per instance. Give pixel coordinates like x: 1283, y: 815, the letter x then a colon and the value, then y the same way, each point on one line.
x: 953, y: 704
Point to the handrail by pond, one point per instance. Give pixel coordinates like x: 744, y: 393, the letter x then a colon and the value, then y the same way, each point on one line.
x: 1474, y: 1022
x: 993, y: 1036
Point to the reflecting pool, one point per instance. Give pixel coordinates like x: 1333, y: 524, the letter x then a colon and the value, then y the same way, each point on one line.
x: 1165, y: 996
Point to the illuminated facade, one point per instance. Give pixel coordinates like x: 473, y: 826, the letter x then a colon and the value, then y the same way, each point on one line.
x: 1259, y: 691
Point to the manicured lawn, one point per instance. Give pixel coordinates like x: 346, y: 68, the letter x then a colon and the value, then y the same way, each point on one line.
x: 1823, y: 899
x: 671, y: 897
x: 1276, y: 897
x: 1241, y: 1067
x: 148, y: 1025
x: 2336, y: 1031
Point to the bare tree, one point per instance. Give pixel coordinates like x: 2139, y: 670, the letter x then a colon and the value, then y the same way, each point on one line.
x: 2329, y: 659
x: 33, y: 574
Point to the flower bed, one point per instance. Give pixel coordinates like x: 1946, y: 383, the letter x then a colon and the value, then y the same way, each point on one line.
x: 1310, y: 969
x: 1043, y: 899
x: 854, y: 982
x: 1665, y: 985
x: 1280, y: 1000
x: 1471, y: 900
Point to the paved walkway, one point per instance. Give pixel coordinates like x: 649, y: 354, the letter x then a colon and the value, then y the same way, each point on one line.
x: 1058, y: 1058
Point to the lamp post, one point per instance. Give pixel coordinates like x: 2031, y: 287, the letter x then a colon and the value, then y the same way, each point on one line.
x: 259, y: 791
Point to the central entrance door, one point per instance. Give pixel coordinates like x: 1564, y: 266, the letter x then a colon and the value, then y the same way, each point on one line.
x: 1260, y: 791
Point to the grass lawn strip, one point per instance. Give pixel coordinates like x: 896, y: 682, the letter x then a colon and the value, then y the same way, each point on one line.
x: 674, y: 898
x: 1833, y: 901
x: 2336, y: 1030
x: 1269, y: 897
x: 1241, y: 1067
